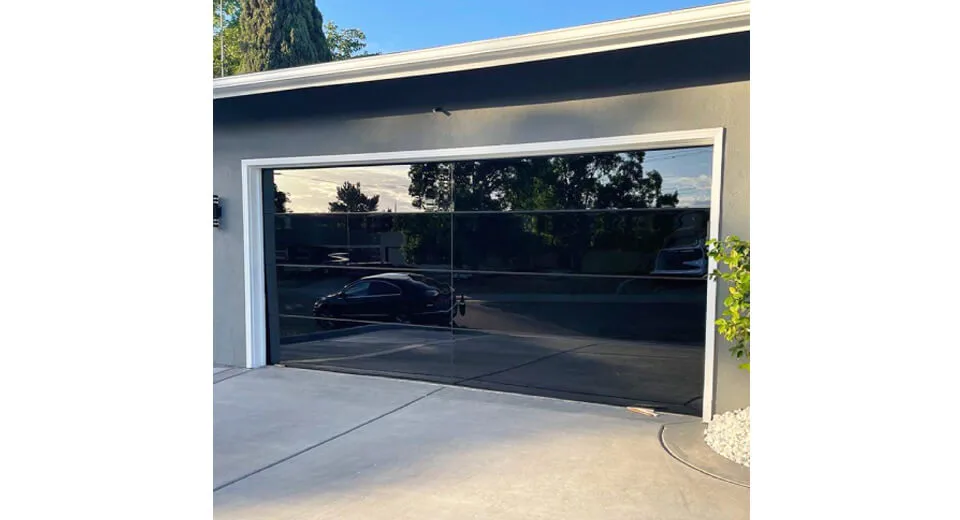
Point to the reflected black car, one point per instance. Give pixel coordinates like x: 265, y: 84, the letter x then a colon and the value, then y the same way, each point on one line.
x: 390, y: 298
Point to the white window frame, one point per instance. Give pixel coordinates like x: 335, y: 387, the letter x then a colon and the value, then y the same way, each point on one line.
x: 252, y: 181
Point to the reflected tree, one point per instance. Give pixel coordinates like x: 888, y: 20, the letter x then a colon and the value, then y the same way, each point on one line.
x: 350, y: 199
x: 430, y: 186
x: 280, y: 200
x: 596, y: 181
x: 426, y: 238
x: 576, y: 182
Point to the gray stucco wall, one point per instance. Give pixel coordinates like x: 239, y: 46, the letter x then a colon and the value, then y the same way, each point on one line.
x: 350, y: 120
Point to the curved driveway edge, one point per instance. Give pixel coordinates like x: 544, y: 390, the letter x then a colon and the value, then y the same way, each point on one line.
x: 684, y: 441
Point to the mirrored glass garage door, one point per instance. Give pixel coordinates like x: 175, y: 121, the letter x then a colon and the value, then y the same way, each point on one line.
x: 581, y: 277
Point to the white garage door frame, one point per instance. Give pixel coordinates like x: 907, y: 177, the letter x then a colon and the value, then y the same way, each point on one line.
x: 252, y: 180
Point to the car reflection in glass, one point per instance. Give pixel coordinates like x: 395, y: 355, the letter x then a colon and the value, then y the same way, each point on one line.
x: 388, y: 297
x: 684, y: 252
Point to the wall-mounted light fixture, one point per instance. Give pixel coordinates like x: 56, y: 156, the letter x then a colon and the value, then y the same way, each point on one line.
x: 217, y: 211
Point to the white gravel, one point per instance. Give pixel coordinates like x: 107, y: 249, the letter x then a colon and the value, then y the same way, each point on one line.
x: 729, y: 435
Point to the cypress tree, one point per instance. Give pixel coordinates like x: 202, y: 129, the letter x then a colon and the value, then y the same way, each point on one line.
x: 277, y: 34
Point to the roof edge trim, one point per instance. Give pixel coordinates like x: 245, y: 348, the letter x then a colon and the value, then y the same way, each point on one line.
x: 687, y: 24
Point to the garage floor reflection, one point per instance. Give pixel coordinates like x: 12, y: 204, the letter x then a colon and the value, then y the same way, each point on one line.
x: 665, y: 375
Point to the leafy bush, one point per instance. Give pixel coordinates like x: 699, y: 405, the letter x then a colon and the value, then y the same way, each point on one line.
x: 734, y: 324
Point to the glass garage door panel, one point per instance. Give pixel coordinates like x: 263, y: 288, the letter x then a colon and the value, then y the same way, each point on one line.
x: 616, y: 308
x: 584, y: 277
x: 365, y: 326
x: 605, y: 181
x: 662, y: 242
x: 363, y: 274
x: 615, y: 340
x: 581, y: 277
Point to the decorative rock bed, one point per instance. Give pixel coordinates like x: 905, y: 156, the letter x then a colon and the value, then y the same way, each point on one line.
x: 729, y: 435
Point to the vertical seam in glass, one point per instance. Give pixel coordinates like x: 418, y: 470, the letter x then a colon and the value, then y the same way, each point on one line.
x: 453, y: 295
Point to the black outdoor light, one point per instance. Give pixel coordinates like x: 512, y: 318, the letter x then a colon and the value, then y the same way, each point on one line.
x: 217, y: 211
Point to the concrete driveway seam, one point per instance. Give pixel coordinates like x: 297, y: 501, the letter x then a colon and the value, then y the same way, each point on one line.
x: 325, y: 441
x: 527, y: 363
x: 380, y: 352
x: 229, y: 374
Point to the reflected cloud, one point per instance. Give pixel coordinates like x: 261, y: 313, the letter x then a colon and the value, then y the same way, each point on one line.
x: 311, y: 190
x: 693, y: 191
x: 685, y: 171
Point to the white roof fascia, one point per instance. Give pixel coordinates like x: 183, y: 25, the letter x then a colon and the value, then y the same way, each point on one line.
x: 639, y: 31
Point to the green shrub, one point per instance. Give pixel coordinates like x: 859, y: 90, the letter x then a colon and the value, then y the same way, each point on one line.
x: 734, y: 324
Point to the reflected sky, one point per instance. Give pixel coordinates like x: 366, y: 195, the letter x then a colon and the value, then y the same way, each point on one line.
x: 311, y: 190
x: 685, y: 171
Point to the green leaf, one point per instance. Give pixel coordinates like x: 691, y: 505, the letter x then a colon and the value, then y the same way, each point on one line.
x: 732, y: 256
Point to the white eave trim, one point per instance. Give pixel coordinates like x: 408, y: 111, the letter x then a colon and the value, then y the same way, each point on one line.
x: 654, y: 29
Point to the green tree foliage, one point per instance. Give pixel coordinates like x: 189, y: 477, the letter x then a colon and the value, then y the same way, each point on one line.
x: 734, y: 325
x: 276, y: 34
x: 226, y: 31
x: 350, y: 199
x: 346, y: 43
x: 341, y: 43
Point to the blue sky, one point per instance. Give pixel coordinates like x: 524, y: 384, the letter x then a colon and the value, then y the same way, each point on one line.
x: 395, y: 26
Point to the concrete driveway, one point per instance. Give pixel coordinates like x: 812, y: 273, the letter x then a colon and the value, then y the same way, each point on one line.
x: 291, y: 443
